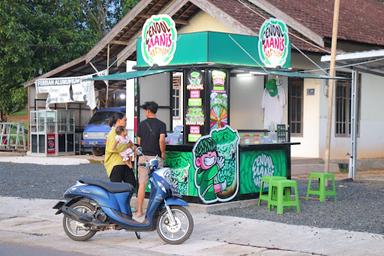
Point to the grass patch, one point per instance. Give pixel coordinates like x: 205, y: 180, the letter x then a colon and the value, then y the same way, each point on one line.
x: 23, y: 112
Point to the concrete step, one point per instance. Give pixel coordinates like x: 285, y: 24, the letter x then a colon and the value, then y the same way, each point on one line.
x: 298, y: 169
x: 301, y: 166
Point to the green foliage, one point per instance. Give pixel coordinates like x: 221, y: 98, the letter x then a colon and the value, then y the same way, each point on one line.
x: 40, y: 35
x: 18, y: 98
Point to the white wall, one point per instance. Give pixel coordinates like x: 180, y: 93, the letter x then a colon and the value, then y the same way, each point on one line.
x: 245, y: 102
x: 371, y: 140
x: 130, y: 101
x: 156, y: 88
x: 204, y: 22
x: 323, y: 119
x: 309, y: 140
x: 245, y: 96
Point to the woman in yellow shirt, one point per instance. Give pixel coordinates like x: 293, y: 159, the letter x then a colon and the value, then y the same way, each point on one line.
x: 117, y: 170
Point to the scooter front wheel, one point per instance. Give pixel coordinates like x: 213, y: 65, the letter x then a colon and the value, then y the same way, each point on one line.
x: 76, y: 230
x: 178, y: 232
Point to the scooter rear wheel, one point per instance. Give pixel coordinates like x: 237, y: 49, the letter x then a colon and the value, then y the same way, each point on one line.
x: 178, y: 233
x: 76, y: 230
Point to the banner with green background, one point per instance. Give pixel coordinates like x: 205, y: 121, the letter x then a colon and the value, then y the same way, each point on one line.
x: 255, y: 164
x: 183, y: 171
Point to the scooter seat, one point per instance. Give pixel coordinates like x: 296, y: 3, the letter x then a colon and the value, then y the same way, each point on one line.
x: 114, y: 187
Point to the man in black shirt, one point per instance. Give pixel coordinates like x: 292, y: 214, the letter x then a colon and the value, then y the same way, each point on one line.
x: 151, y: 137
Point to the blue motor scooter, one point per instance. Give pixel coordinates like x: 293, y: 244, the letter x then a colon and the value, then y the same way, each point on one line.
x: 95, y: 205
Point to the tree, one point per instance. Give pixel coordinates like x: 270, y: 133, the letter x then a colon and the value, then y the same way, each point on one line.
x: 39, y: 35
x: 102, y: 15
x: 14, y: 52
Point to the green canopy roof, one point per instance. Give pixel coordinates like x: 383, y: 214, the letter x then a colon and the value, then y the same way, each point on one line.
x: 129, y: 75
x: 214, y: 47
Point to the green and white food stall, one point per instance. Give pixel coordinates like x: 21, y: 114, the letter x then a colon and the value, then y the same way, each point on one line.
x: 234, y: 131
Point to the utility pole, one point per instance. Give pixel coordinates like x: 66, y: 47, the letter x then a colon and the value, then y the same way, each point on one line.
x: 331, y: 84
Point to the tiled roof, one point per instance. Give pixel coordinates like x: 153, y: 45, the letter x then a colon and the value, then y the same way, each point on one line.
x: 253, y: 17
x: 359, y: 20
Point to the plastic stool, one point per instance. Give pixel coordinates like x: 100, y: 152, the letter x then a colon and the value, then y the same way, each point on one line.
x: 265, y: 181
x: 283, y: 195
x: 322, y: 191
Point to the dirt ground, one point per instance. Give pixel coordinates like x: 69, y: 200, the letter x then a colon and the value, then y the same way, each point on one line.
x: 16, y: 119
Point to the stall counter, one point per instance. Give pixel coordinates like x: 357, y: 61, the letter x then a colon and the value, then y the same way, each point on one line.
x: 254, y: 162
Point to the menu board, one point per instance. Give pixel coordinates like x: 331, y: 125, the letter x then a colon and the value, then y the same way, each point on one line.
x: 194, y: 118
x: 218, y: 100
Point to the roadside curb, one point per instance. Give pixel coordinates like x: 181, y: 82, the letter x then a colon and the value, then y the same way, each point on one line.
x: 212, y: 208
x: 43, y: 160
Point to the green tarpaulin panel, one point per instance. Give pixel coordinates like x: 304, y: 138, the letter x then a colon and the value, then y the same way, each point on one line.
x: 130, y: 75
x: 214, y: 48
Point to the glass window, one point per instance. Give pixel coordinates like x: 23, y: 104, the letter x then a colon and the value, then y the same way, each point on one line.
x: 103, y: 117
x: 176, y: 85
x: 343, y: 105
x: 295, y: 93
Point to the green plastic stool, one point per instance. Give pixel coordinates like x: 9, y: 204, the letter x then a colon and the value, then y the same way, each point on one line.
x: 322, y: 178
x: 283, y: 195
x: 265, y: 181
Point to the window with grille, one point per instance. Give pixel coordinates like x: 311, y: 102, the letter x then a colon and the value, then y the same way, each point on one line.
x: 176, y: 85
x: 343, y: 105
x: 296, y: 93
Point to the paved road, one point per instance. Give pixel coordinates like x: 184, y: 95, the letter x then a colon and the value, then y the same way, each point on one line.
x: 32, y: 222
x: 44, y: 181
x: 11, y: 249
x: 359, y: 205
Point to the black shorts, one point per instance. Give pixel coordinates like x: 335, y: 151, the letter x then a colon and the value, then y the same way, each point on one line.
x: 122, y: 173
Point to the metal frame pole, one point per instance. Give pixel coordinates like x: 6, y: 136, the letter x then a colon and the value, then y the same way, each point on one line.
x: 354, y: 101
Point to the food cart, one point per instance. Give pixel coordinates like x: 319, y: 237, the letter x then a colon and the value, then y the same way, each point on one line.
x: 52, y: 132
x: 226, y: 145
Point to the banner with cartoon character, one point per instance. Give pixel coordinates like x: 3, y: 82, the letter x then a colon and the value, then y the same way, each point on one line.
x: 216, y: 161
x: 182, y: 168
x: 256, y: 164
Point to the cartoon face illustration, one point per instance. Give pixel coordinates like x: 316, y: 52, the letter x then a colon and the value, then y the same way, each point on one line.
x: 207, y: 160
x: 216, y: 165
x: 208, y: 165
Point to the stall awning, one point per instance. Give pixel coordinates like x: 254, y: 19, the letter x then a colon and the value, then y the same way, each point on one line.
x: 365, y: 61
x: 304, y: 75
x: 129, y: 75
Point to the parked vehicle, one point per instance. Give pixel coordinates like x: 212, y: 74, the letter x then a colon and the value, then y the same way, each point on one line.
x: 97, y: 129
x: 95, y: 205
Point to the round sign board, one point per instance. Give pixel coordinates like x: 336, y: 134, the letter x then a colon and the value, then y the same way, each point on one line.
x: 273, y: 43
x: 159, y: 36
